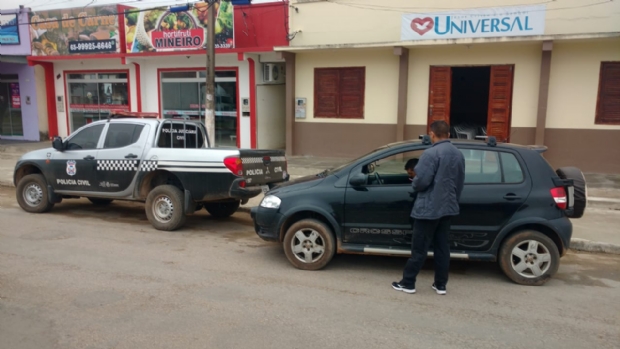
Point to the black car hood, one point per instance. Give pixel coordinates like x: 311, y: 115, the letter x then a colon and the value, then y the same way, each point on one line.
x: 297, y: 184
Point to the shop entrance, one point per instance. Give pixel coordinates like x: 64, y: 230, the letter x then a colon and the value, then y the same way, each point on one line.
x: 474, y: 100
x: 10, y: 106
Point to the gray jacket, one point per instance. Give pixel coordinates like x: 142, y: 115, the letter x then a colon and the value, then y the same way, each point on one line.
x: 439, y: 179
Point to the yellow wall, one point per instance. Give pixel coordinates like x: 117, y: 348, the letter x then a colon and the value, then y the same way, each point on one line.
x: 573, y: 88
x: 381, y: 90
x: 525, y: 57
x: 369, y: 21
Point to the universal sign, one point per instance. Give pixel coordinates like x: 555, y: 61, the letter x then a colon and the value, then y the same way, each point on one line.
x: 476, y: 23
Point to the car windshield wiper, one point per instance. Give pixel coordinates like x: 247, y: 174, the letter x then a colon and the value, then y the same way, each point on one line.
x: 323, y: 174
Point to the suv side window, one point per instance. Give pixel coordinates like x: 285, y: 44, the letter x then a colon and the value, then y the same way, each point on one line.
x: 491, y: 167
x: 177, y: 135
x: 85, y: 139
x: 122, y: 135
x: 481, y: 166
x: 513, y: 173
x: 391, y: 169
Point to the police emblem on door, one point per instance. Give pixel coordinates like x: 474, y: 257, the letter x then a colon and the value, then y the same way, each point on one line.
x: 71, y: 170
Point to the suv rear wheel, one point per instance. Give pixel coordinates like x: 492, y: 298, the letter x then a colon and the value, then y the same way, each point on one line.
x: 309, y: 244
x: 164, y: 208
x: 581, y: 189
x: 529, y: 258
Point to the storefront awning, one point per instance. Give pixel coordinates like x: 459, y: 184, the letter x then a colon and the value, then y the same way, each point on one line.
x: 467, y: 41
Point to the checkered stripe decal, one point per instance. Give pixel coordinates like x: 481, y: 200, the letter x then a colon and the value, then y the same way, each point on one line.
x: 117, y: 165
x: 148, y: 165
x: 260, y: 160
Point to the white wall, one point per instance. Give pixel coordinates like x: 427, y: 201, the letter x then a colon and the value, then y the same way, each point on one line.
x: 39, y: 75
x: 573, y: 88
x: 271, y: 116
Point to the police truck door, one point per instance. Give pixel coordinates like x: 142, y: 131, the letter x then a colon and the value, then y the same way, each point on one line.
x: 118, y: 161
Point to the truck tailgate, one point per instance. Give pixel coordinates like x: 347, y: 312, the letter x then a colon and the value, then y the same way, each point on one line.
x: 262, y: 167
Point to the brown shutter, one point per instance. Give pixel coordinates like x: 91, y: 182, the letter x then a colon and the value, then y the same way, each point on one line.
x: 608, y: 103
x: 352, y: 93
x: 439, y: 94
x: 326, y: 94
x: 500, y: 100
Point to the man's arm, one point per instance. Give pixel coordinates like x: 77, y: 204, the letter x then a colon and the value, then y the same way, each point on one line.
x: 461, y: 178
x: 424, y: 172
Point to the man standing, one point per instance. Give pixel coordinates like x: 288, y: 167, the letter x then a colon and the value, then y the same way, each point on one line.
x: 440, y: 174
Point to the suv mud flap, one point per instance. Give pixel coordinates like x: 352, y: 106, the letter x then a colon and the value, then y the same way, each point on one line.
x: 189, y: 205
x: 52, y: 197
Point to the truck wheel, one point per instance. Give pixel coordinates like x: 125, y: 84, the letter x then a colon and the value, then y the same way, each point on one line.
x: 581, y: 189
x: 100, y: 202
x: 222, y: 209
x: 309, y: 244
x: 164, y: 208
x: 529, y: 258
x: 32, y: 194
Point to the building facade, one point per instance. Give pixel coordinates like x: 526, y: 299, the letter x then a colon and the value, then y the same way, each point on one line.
x: 360, y: 75
x: 21, y: 118
x: 112, y: 58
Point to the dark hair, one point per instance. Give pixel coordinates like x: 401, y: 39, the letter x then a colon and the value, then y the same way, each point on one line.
x: 411, y: 163
x: 441, y: 129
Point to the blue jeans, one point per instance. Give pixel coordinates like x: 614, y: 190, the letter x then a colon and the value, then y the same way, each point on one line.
x: 426, y: 232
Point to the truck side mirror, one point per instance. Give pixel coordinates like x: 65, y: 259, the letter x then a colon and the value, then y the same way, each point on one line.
x: 358, y: 180
x: 58, y: 144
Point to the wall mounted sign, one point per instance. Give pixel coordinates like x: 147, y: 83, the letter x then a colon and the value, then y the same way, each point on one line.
x: 161, y: 30
x: 475, y: 23
x: 74, y: 31
x: 9, y: 29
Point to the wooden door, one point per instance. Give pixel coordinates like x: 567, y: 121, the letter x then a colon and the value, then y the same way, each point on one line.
x: 439, y: 95
x: 500, y: 102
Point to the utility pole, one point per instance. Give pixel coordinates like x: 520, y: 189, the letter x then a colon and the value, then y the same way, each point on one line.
x: 210, y: 83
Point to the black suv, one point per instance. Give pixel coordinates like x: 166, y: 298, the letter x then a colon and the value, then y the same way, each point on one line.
x: 515, y: 209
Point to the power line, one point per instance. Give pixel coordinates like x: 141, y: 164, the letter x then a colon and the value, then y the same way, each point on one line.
x: 445, y: 10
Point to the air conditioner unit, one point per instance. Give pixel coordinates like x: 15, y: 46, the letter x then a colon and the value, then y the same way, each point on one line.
x: 273, y: 73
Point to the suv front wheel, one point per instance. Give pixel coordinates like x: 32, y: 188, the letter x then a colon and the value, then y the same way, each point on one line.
x: 32, y: 194
x: 529, y: 258
x: 309, y: 244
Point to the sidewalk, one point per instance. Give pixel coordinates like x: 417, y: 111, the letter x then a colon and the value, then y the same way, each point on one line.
x: 597, y: 231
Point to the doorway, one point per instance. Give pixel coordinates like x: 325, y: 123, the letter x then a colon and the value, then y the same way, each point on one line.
x: 476, y: 101
x: 10, y: 107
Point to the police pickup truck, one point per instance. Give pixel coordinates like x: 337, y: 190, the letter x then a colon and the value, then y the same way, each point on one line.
x: 168, y: 164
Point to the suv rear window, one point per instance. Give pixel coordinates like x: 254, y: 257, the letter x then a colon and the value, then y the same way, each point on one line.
x: 491, y: 167
x: 179, y: 135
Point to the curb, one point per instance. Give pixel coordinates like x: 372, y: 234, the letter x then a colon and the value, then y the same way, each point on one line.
x: 593, y: 246
x: 604, y: 203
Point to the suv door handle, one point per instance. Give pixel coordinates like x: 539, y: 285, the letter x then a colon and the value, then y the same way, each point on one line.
x: 130, y: 156
x: 511, y: 197
x: 89, y: 157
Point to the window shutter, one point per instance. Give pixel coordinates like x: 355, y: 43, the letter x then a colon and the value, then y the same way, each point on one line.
x: 352, y: 93
x: 608, y: 103
x: 326, y: 94
x: 500, y: 97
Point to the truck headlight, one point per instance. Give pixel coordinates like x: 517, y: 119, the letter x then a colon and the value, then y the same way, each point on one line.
x: 271, y: 201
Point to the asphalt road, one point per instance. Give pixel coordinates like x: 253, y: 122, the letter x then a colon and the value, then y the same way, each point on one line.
x: 87, y: 277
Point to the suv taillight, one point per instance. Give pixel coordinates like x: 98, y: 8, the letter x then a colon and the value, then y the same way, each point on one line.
x: 235, y: 165
x: 559, y: 195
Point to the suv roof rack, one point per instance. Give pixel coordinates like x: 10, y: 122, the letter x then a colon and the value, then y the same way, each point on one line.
x: 121, y: 114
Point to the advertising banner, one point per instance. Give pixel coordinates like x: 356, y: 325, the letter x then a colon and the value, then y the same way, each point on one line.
x: 16, y: 101
x: 9, y: 29
x: 475, y: 23
x: 158, y: 30
x: 75, y: 31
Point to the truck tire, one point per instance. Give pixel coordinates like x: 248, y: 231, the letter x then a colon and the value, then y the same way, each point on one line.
x: 581, y: 189
x: 100, y: 202
x: 529, y: 258
x: 309, y: 244
x: 222, y: 209
x: 32, y: 195
x: 164, y: 208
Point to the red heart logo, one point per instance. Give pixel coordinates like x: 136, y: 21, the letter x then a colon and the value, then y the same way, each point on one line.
x: 422, y: 25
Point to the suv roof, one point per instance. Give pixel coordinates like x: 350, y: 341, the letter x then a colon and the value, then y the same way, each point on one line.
x: 490, y: 142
